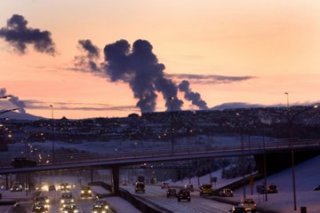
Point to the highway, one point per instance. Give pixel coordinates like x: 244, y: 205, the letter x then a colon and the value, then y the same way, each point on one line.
x: 83, y: 205
x: 153, y: 194
x: 197, y: 204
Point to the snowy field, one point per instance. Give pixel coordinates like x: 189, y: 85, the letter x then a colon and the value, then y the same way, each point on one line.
x: 307, y: 178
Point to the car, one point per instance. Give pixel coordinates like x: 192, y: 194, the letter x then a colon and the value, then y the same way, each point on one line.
x: 42, y: 187
x: 226, y: 192
x: 21, y: 162
x: 16, y: 187
x: 271, y: 188
x: 38, y: 208
x: 65, y: 187
x: 171, y: 192
x: 66, y: 199
x: 101, y: 206
x: 165, y: 185
x: 86, y: 192
x: 183, y: 194
x: 189, y: 187
x: 52, y: 188
x: 72, y: 208
x: 43, y: 200
x: 206, y: 189
x: 249, y: 205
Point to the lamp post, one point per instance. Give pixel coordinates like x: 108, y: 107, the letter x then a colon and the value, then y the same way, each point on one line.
x: 293, y: 175
x: 265, y: 167
x: 290, y: 118
x: 53, y: 132
x: 172, y: 129
x: 287, y: 94
x: 240, y: 126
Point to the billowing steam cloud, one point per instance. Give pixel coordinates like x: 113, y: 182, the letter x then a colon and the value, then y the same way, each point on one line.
x: 138, y: 67
x: 19, y: 36
x: 13, y: 100
x: 89, y: 60
x: 194, y: 97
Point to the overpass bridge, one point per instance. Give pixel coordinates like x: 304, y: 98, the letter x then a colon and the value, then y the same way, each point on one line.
x: 114, y: 162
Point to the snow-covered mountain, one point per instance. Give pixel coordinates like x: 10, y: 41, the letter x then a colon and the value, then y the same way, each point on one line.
x: 19, y: 116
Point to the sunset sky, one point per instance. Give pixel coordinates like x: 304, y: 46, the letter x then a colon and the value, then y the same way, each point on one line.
x: 230, y: 51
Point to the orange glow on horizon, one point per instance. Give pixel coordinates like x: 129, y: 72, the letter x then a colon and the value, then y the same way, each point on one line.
x: 276, y: 43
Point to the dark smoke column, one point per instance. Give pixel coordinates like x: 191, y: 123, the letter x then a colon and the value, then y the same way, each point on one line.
x: 139, y: 67
x: 88, y: 60
x: 194, y: 97
x: 19, y: 36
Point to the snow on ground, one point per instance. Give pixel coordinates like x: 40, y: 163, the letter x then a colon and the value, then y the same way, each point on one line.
x: 4, y: 209
x: 205, y: 179
x: 121, y: 206
x: 307, y: 178
x: 9, y: 196
x: 117, y: 203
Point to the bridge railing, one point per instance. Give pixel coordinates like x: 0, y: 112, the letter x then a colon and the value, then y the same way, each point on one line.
x: 165, y: 149
x: 183, y: 149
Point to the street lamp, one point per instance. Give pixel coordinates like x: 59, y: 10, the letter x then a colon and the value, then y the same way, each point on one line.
x: 287, y: 94
x: 53, y: 132
x: 290, y: 119
x: 293, y: 175
x: 241, y: 131
x: 171, y: 99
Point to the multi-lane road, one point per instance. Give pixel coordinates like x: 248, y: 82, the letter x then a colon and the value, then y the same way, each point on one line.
x: 157, y: 195
x: 154, y: 194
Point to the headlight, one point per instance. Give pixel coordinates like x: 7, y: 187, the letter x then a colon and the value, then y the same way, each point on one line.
x: 47, y: 200
x: 103, y: 212
x: 75, y: 211
x: 106, y: 207
x: 61, y: 201
x: 95, y: 212
x: 82, y: 191
x: 89, y: 191
x: 65, y: 211
x: 45, y: 188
